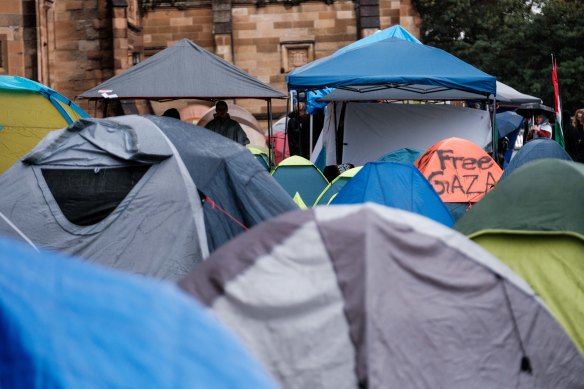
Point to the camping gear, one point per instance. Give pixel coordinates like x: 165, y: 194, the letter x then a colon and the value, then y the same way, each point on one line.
x: 371, y: 129
x: 404, y: 155
x: 67, y: 324
x: 336, y: 185
x: 237, y: 192
x: 506, y: 96
x: 183, y: 71
x: 370, y: 296
x: 299, y: 177
x: 536, y: 149
x: 396, y: 31
x: 396, y: 185
x: 126, y: 192
x: 364, y: 69
x: 532, y: 221
x: 459, y: 170
x: 28, y: 112
x: 110, y: 191
x: 261, y: 156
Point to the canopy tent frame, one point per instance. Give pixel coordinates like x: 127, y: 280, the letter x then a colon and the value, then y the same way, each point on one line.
x: 186, y: 71
x: 359, y: 70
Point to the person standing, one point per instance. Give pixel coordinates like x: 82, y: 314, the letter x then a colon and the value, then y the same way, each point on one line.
x: 223, y: 124
x: 576, y: 145
x: 540, y: 128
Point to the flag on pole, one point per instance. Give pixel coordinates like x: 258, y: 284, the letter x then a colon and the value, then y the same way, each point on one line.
x: 558, y: 133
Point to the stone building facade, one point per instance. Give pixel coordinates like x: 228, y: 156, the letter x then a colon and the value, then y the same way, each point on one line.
x: 73, y: 45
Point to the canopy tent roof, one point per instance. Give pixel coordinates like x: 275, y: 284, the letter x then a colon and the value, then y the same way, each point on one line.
x: 505, y: 94
x: 182, y: 71
x: 405, y: 63
x: 396, y: 31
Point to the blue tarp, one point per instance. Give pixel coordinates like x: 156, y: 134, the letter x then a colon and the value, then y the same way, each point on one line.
x: 533, y: 150
x: 395, y: 185
x: 68, y: 324
x: 392, y: 62
x: 397, y: 31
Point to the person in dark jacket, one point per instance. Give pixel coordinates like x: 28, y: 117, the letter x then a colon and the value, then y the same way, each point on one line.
x: 574, y: 136
x: 224, y: 125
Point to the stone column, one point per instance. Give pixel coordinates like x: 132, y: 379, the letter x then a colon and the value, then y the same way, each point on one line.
x: 223, y: 29
x: 120, y: 35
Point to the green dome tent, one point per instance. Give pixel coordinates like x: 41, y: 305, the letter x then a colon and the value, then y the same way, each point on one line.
x: 336, y: 185
x: 534, y: 222
x: 300, y: 178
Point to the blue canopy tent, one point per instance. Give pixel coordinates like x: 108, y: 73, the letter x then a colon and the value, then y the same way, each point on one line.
x: 313, y: 98
x: 391, y: 63
x: 394, y: 64
x: 396, y: 31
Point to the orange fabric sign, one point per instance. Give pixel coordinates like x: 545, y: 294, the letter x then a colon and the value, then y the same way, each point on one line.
x: 459, y: 170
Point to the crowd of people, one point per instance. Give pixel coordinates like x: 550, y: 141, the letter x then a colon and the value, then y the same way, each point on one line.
x: 299, y: 125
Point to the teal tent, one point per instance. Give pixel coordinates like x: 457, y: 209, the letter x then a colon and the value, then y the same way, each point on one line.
x: 300, y: 178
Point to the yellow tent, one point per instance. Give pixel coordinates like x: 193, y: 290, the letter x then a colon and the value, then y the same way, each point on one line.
x: 28, y: 111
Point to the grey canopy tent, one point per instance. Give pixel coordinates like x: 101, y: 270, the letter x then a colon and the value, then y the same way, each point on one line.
x: 184, y: 71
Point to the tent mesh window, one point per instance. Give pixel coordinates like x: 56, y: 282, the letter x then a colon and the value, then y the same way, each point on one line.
x: 88, y: 196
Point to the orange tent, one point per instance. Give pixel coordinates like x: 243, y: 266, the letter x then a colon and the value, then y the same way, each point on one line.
x: 459, y: 170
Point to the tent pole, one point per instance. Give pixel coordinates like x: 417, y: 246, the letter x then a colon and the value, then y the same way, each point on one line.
x: 494, y: 131
x: 310, y: 147
x: 270, y: 146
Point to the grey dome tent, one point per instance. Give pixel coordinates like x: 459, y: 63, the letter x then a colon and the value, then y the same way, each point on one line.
x: 111, y: 191
x: 126, y: 192
x: 369, y: 296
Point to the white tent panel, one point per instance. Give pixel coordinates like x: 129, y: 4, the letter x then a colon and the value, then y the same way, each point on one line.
x: 373, y: 129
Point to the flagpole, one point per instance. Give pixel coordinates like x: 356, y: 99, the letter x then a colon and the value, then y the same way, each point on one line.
x: 558, y: 133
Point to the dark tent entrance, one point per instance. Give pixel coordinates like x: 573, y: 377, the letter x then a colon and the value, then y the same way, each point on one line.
x: 88, y: 196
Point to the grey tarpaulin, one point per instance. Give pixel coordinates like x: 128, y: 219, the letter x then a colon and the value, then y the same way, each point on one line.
x: 184, y: 70
x: 369, y: 296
